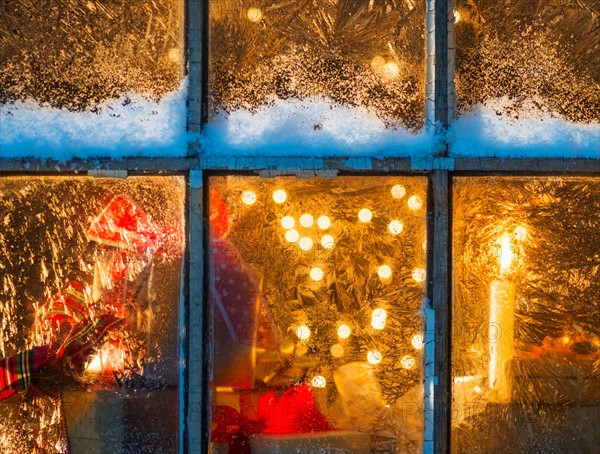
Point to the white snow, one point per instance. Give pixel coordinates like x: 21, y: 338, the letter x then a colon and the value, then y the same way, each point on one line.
x: 310, y: 127
x: 487, y: 131
x: 128, y: 126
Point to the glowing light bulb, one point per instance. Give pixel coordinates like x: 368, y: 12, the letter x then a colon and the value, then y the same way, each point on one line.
x: 303, y: 332
x: 384, y: 272
x: 292, y: 235
x: 477, y: 389
x: 337, y: 351
x: 324, y: 222
x: 316, y: 274
x: 305, y: 243
x: 415, y: 202
x: 175, y: 55
x: 306, y: 220
x: 374, y: 357
x: 505, y: 253
x: 398, y: 191
x: 327, y: 241
x: 419, y: 274
x: 254, y: 14
x: 378, y: 318
x: 279, y: 196
x: 520, y: 233
x: 395, y: 227
x: 456, y: 16
x: 391, y: 70
x: 248, y: 197
x: 365, y: 215
x: 417, y: 341
x: 288, y: 222
x: 408, y: 362
x: 344, y: 331
x: 318, y: 381
x: 96, y: 364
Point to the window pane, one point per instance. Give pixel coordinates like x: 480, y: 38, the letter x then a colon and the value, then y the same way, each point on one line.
x: 343, y: 59
x: 77, y: 54
x: 89, y: 286
x: 526, y: 57
x: 526, y: 320
x: 316, y: 292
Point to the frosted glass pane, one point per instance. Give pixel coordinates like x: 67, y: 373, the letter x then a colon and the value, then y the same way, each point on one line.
x: 526, y: 319
x: 361, y: 54
x: 89, y: 288
x: 77, y: 54
x: 529, y: 58
x: 316, y: 292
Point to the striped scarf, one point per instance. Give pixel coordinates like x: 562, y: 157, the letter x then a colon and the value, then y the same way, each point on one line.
x: 17, y: 371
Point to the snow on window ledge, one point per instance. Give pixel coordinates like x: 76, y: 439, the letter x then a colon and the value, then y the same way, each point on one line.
x: 310, y: 127
x: 128, y: 126
x: 488, y: 132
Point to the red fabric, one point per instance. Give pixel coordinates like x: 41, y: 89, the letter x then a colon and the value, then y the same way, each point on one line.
x: 219, y: 215
x: 294, y: 412
x: 17, y: 371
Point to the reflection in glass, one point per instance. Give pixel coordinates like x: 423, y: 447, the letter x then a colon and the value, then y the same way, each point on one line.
x: 89, y: 273
x: 526, y: 324
x: 313, y: 346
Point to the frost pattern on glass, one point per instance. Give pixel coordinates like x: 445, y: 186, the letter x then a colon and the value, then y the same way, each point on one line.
x: 89, y: 290
x: 526, y: 316
x: 538, y: 57
x: 316, y: 292
x: 75, y: 54
x: 355, y: 53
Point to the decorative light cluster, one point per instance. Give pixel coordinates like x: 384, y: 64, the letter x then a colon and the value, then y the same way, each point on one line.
x: 419, y: 274
x: 316, y: 274
x: 378, y: 318
x: 254, y: 14
x: 327, y: 241
x: 305, y: 243
x: 337, y: 350
x: 288, y: 222
x: 344, y: 331
x: 408, y: 362
x: 395, y: 227
x: 279, y: 196
x: 388, y: 69
x: 398, y: 191
x: 248, y: 197
x: 365, y: 215
x: 318, y: 381
x: 306, y: 220
x: 374, y: 357
x: 417, y: 341
x: 415, y: 202
x: 324, y: 222
x: 303, y: 332
x: 292, y: 235
x: 384, y: 272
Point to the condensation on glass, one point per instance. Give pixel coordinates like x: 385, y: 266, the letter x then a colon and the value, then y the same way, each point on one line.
x: 367, y: 54
x: 526, y: 316
x: 524, y: 56
x: 89, y: 290
x: 316, y: 291
x: 76, y: 54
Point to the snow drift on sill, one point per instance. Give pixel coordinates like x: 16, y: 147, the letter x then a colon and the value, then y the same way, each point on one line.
x: 488, y: 132
x: 309, y: 127
x: 128, y: 126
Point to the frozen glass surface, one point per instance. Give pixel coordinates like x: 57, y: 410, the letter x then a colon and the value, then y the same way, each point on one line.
x: 316, y: 292
x: 356, y: 53
x: 76, y: 54
x: 524, y: 57
x: 89, y: 290
x: 526, y: 315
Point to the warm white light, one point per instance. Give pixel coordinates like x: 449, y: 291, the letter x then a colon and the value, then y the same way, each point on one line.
x: 303, y: 332
x: 391, y: 70
x: 415, y: 202
x: 505, y: 253
x: 520, y: 233
x: 96, y: 364
x: 254, y: 14
x: 395, y: 227
x: 316, y: 274
x: 292, y: 235
x: 288, y: 222
x: 318, y: 381
x: 344, y: 331
x: 337, y: 350
x: 365, y: 215
x: 408, y: 362
x: 374, y: 357
x: 279, y: 196
x: 417, y: 341
x: 324, y: 222
x: 378, y: 318
x: 456, y: 16
x: 306, y: 220
x: 384, y: 272
x: 175, y: 55
x: 419, y: 274
x: 398, y: 191
x: 477, y: 389
x: 377, y: 64
x: 327, y: 241
x: 248, y: 197
x: 305, y: 243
